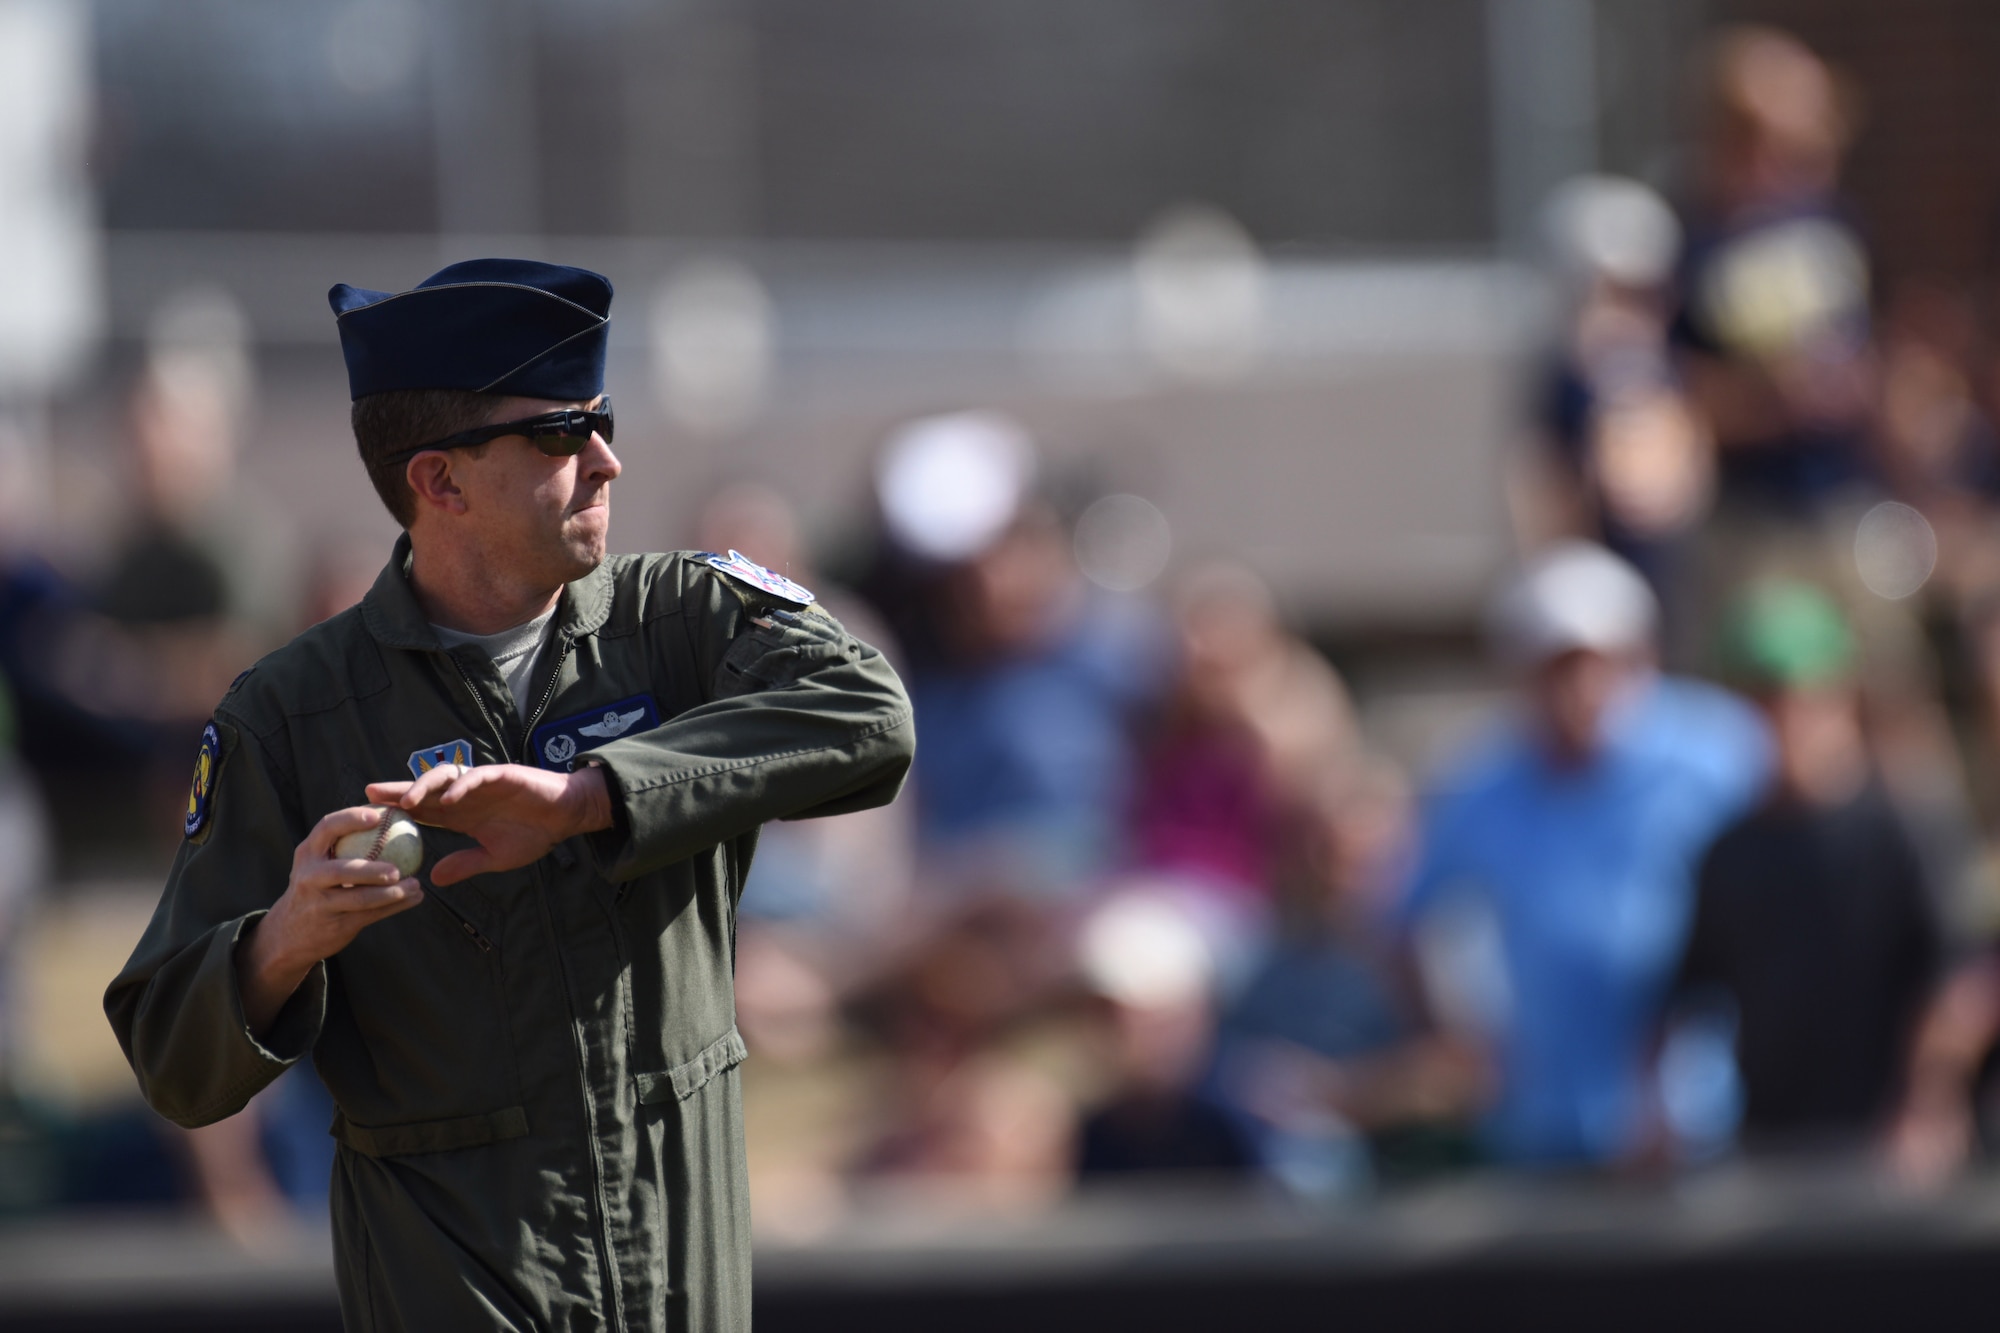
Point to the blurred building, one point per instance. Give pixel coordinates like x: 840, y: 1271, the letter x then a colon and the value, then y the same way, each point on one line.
x: 914, y: 207
x: 921, y: 206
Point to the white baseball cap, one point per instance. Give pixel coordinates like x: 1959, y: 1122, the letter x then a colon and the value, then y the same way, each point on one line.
x: 1611, y: 227
x: 1143, y: 950
x: 949, y: 485
x: 1570, y: 596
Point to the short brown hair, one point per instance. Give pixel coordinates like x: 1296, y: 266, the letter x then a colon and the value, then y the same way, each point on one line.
x: 385, y: 424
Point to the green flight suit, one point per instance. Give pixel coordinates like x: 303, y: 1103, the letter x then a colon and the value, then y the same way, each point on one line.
x: 540, y: 1118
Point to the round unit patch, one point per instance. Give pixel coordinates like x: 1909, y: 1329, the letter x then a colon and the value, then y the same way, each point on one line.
x: 202, y: 789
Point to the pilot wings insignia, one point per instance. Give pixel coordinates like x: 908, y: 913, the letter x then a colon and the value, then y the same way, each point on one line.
x: 613, y: 724
x: 556, y: 745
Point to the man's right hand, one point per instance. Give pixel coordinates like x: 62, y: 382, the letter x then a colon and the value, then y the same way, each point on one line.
x: 327, y: 904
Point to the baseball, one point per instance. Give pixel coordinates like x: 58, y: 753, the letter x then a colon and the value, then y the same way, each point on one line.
x: 396, y: 839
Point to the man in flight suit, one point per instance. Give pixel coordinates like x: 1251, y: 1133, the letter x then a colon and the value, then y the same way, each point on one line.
x: 533, y: 1053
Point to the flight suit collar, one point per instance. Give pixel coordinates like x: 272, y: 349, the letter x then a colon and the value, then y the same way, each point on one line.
x: 396, y: 619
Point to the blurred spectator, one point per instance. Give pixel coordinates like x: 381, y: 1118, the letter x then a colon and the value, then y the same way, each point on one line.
x: 26, y: 1180
x: 1554, y: 883
x: 338, y: 576
x: 1980, y: 628
x: 294, y: 1140
x: 1941, y: 454
x: 37, y: 605
x: 264, y: 1173
x: 1937, y: 445
x: 199, y: 548
x: 752, y: 518
x: 25, y: 862
x: 1813, y: 916
x: 1147, y: 962
x: 1254, y: 717
x: 1324, y: 1056
x: 1774, y: 322
x: 47, y: 1152
x: 197, y: 586
x: 1951, y: 1104
x: 1025, y: 682
x: 992, y: 1132
x: 1634, y: 460
x: 235, y: 1185
x: 963, y: 1111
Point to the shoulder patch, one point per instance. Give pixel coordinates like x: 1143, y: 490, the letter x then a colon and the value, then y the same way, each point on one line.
x: 745, y: 570
x: 201, y: 791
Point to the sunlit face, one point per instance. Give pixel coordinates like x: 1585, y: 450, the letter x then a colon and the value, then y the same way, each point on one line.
x: 1004, y: 599
x: 1822, y: 752
x: 1573, y: 693
x: 546, y: 518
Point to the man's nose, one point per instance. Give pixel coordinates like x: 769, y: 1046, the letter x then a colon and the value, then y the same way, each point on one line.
x: 599, y: 463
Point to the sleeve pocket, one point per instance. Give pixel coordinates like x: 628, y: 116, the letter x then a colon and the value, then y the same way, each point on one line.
x: 779, y: 649
x: 684, y: 1080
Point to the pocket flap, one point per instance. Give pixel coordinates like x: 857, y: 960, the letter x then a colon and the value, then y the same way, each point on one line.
x: 466, y: 1131
x: 684, y: 1080
x: 784, y: 646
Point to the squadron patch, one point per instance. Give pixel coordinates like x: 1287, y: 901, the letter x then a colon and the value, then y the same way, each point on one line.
x: 744, y: 570
x: 556, y: 743
x: 201, y: 790
x: 451, y: 752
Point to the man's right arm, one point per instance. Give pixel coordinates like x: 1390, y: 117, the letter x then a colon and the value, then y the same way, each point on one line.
x: 201, y: 1041
x: 326, y: 903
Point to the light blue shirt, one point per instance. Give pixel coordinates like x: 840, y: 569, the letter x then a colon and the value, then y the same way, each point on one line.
x: 1587, y: 878
x: 1031, y: 758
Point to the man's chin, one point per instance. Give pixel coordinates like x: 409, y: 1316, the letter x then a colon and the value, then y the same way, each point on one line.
x: 581, y: 554
x: 587, y: 539
x: 582, y: 558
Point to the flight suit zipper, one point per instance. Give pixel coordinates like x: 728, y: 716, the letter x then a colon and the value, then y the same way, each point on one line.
x: 555, y: 679
x: 499, y: 736
x: 485, y: 945
x: 528, y: 731
x: 609, y: 1271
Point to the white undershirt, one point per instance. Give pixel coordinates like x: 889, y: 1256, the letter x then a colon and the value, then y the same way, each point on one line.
x: 514, y: 652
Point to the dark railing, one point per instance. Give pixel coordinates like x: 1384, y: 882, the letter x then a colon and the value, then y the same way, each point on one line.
x: 1726, y: 1250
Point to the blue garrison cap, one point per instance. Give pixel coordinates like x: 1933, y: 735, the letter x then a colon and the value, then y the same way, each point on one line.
x: 503, y: 326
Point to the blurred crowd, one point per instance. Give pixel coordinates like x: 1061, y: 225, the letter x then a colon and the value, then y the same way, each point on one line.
x: 1718, y: 879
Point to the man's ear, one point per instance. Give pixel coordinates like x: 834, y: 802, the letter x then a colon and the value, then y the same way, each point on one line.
x: 430, y: 476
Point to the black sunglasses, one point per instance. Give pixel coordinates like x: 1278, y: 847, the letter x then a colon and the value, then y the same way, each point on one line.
x: 557, y: 434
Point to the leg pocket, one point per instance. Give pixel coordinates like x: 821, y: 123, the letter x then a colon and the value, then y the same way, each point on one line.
x: 696, y: 1127
x: 687, y: 1078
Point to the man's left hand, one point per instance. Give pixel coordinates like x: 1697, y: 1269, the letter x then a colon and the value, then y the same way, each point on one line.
x: 515, y: 813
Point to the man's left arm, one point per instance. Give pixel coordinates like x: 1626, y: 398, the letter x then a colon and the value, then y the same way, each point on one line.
x: 801, y: 719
